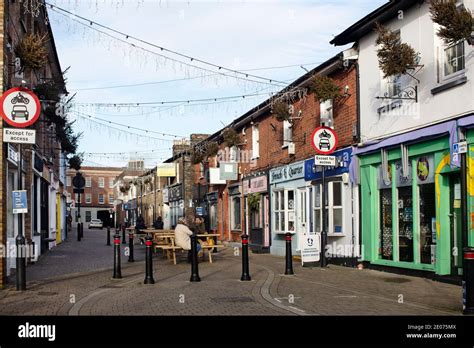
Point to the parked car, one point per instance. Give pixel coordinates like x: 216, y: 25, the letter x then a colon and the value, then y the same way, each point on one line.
x: 20, y: 111
x: 96, y: 223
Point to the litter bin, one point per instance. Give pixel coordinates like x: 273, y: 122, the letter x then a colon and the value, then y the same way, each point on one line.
x: 468, y: 281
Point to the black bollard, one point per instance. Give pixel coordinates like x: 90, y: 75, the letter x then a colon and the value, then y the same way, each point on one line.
x: 20, y: 263
x: 289, y: 256
x: 108, y: 235
x: 130, y: 246
x: 149, y: 261
x: 78, y: 231
x: 117, y: 266
x: 194, y: 260
x: 468, y: 281
x: 123, y: 235
x: 245, y: 258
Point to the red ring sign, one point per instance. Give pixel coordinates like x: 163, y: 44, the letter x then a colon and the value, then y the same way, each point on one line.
x: 20, y: 107
x: 324, y: 140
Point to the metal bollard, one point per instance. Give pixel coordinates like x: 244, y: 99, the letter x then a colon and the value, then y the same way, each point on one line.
x: 117, y: 266
x: 245, y: 258
x: 108, y: 235
x: 123, y: 235
x: 194, y: 260
x: 130, y: 247
x: 289, y: 256
x: 78, y: 231
x: 20, y: 263
x: 149, y: 261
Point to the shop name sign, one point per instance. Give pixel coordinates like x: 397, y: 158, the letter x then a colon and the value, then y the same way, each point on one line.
x: 19, y: 136
x: 289, y: 172
x: 255, y: 185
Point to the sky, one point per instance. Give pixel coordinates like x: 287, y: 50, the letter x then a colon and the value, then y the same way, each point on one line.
x: 261, y: 38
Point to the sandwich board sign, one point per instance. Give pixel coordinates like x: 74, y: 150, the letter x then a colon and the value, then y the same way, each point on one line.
x: 20, y: 107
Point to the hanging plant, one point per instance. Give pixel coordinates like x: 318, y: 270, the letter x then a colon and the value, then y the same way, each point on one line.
x: 253, y: 200
x: 395, y: 57
x: 212, y: 148
x: 75, y: 162
x: 457, y: 24
x: 32, y: 52
x: 281, y: 111
x: 48, y: 91
x: 324, y: 88
x: 231, y: 137
x: 197, y: 157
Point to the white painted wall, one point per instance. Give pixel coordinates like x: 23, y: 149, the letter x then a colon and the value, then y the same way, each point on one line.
x: 418, y: 30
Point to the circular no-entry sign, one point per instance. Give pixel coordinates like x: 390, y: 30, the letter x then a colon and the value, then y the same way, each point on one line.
x: 20, y: 107
x: 324, y: 140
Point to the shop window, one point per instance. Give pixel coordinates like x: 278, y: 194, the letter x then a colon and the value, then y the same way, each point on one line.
x: 88, y: 216
x: 284, y: 211
x: 236, y: 213
x: 427, y: 223
x: 334, y: 208
x: 405, y: 224
x: 386, y: 241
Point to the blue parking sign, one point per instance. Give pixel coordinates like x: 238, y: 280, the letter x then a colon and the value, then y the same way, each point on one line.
x: 20, y: 205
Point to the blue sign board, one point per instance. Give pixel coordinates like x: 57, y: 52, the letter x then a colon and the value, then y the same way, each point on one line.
x: 20, y: 205
x: 343, y: 159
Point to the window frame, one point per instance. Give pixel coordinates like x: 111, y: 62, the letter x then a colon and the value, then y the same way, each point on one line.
x: 455, y: 75
x: 233, y: 220
x: 111, y: 201
x: 330, y: 207
x: 255, y: 142
x: 88, y: 198
x: 287, y: 129
x: 103, y: 198
x: 88, y: 181
x: 101, y: 182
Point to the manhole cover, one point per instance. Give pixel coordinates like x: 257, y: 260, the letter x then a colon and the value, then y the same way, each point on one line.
x: 47, y: 293
x: 396, y: 280
x: 231, y: 299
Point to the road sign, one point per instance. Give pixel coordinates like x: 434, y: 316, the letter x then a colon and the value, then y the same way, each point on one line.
x: 325, y: 160
x: 324, y: 140
x: 78, y: 181
x: 20, y: 107
x: 460, y: 147
x: 19, y: 136
x: 19, y: 202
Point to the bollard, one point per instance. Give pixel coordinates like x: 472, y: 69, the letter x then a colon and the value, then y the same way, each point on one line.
x: 20, y: 263
x: 289, y: 256
x: 108, y: 235
x: 194, y: 260
x: 117, y: 266
x: 123, y: 235
x: 149, y: 261
x: 245, y: 258
x: 78, y: 231
x: 468, y: 281
x: 130, y: 246
x: 82, y: 231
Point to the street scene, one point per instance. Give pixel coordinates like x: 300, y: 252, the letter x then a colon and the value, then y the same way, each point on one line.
x: 248, y: 159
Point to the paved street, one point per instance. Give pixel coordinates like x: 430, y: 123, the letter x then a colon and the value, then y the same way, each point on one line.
x: 75, y: 279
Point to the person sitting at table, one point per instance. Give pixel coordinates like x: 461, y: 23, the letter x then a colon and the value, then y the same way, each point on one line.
x: 140, y: 223
x: 182, y: 237
x: 158, y: 224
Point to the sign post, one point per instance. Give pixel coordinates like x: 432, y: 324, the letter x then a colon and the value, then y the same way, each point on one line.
x: 20, y: 108
x: 324, y: 141
x: 78, y: 183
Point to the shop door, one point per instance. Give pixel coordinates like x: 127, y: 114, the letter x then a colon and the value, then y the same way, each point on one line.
x: 301, y: 217
x: 455, y: 219
x: 256, y: 237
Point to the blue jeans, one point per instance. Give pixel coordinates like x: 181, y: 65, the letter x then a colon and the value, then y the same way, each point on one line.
x: 198, y: 247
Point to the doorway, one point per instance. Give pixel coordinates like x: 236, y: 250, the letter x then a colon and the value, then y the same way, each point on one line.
x: 455, y: 224
x: 301, y: 217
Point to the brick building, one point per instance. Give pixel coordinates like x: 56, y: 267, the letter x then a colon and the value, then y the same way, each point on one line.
x: 99, y: 195
x: 44, y: 162
x: 276, y: 184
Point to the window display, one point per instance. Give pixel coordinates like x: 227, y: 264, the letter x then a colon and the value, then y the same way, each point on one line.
x: 405, y: 223
x: 386, y: 241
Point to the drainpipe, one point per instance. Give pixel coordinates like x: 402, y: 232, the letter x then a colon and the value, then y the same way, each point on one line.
x: 358, y: 140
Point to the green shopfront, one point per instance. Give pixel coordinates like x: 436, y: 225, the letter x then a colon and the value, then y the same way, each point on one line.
x: 411, y: 201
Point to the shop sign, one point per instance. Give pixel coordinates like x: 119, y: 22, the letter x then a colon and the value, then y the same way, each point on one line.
x: 19, y: 202
x: 290, y: 172
x: 425, y: 169
x: 165, y: 195
x: 175, y: 193
x: 343, y: 160
x: 310, y: 251
x: 166, y: 170
x: 424, y: 173
x: 214, y: 177
x: 255, y: 185
x: 228, y: 171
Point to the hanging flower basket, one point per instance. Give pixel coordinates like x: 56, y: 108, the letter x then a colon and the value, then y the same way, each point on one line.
x: 32, y: 52
x: 197, y: 157
x: 231, y: 137
x: 324, y: 88
x: 75, y: 162
x: 254, y: 201
x: 281, y: 111
x: 48, y: 91
x: 395, y: 57
x: 456, y: 23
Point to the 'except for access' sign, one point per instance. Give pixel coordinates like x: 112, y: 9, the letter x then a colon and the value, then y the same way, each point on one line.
x: 19, y: 202
x: 325, y: 160
x: 19, y: 136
